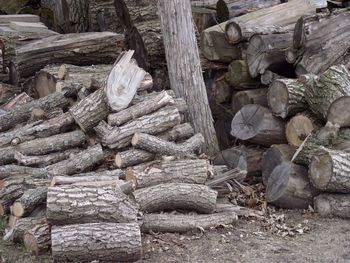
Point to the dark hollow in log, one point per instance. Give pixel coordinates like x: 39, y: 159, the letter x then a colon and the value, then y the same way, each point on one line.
x: 174, y: 196
x: 289, y: 187
x: 330, y: 205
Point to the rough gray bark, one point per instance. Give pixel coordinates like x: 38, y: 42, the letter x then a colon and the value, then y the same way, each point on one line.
x: 183, y: 171
x: 273, y: 157
x: 183, y: 63
x: 153, y: 144
x: 7, y: 171
x: 106, y: 242
x: 286, y: 97
x: 257, y: 125
x: 30, y: 199
x: 132, y: 157
x: 101, y: 204
x: 22, y: 112
x: 289, y: 187
x: 333, y: 205
x: 177, y: 133
x: 103, y: 16
x: 38, y: 239
x: 173, y: 196
x: 329, y: 170
x: 250, y: 96
x: 298, y: 128
x: 22, y: 225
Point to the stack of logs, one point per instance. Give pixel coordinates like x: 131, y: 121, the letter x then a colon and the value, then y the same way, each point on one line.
x: 91, y: 162
x: 287, y: 87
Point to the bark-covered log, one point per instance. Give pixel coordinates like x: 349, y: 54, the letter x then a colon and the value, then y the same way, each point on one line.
x: 105, y: 242
x: 269, y: 20
x: 329, y: 170
x: 250, y: 96
x: 245, y: 158
x: 38, y: 239
x: 174, y: 196
x: 289, y: 187
x: 29, y: 201
x: 7, y: 92
x: 267, y: 52
x: 154, y: 123
x: 257, y: 125
x: 177, y: 133
x: 43, y: 145
x: 185, y: 223
x: 328, y: 95
x: 143, y: 108
x: 183, y: 171
x: 22, y: 112
x: 101, y: 204
x: 183, y: 63
x: 273, y: 157
x: 286, y: 97
x: 22, y: 225
x: 333, y: 205
x: 80, y: 49
x: 7, y: 171
x: 238, y: 73
x: 298, y: 128
x: 77, y: 163
x: 19, y: 99
x: 321, y: 43
x: 132, y: 157
x: 153, y: 144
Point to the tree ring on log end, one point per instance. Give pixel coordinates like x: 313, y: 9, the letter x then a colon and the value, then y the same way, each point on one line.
x: 339, y: 113
x: 255, y: 54
x: 321, y: 170
x: 278, y: 98
x: 17, y: 209
x: 233, y: 33
x: 297, y: 129
x: 278, y: 182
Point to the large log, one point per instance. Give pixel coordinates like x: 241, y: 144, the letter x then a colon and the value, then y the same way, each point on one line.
x: 267, y: 52
x: 22, y: 225
x: 157, y: 122
x: 184, y: 63
x: 22, y: 112
x: 174, y: 196
x: 321, y: 43
x: 298, y: 128
x: 286, y: 97
x: 101, y: 204
x: 273, y: 157
x: 29, y: 201
x: 328, y: 95
x: 80, y: 49
x: 250, y: 96
x: 257, y: 125
x: 41, y: 146
x: 183, y: 171
x: 289, y: 187
x: 38, y: 239
x: 333, y: 205
x: 329, y: 170
x: 106, y: 242
x: 156, y: 145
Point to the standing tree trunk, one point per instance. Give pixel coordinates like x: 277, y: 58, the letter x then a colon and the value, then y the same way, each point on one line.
x: 184, y: 64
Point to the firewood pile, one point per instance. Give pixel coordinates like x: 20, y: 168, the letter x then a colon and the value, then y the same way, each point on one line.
x: 287, y: 87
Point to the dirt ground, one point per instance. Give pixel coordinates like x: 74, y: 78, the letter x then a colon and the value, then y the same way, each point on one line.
x: 249, y: 240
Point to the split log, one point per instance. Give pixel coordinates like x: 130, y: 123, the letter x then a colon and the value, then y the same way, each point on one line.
x: 286, y: 97
x: 274, y: 156
x: 44, y: 160
x: 244, y: 158
x: 289, y: 187
x: 298, y: 128
x: 173, y: 196
x: 266, y: 20
x: 103, y: 47
x: 39, y: 129
x: 154, y: 123
x: 7, y: 92
x: 328, y: 95
x: 148, y: 106
x: 238, y: 73
x: 106, y: 242
x: 177, y: 133
x: 257, y: 125
x: 267, y: 52
x: 77, y: 163
x: 268, y: 77
x: 250, y: 96
x: 333, y: 205
x: 29, y: 201
x: 101, y: 204
x: 38, y: 239
x: 184, y: 63
x: 320, y: 43
x: 22, y: 112
x: 17, y: 232
x: 185, y: 223
x: 41, y: 146
x: 184, y: 171
x: 153, y: 144
x: 328, y: 170
x: 132, y: 157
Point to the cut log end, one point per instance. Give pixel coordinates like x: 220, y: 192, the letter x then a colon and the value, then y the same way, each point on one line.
x: 322, y: 205
x: 135, y: 139
x: 17, y: 209
x: 339, y: 113
x: 321, y: 170
x: 256, y: 54
x: 278, y: 182
x: 297, y: 129
x: 278, y: 98
x: 31, y: 243
x: 233, y: 33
